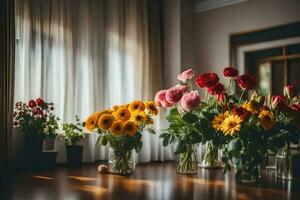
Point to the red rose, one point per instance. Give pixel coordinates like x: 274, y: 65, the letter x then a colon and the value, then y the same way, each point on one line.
x: 289, y: 91
x: 216, y: 89
x: 246, y: 82
x: 31, y: 104
x: 230, y: 72
x: 241, y: 112
x: 40, y: 101
x: 279, y: 102
x: 295, y: 108
x: 207, y: 79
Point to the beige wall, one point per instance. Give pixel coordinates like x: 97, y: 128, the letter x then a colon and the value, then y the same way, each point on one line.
x: 212, y: 28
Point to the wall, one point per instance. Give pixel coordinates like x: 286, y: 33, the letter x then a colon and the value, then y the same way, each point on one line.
x: 212, y: 28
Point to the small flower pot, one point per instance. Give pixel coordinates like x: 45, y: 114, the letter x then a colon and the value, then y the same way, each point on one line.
x: 49, y: 160
x: 32, y: 153
x: 48, y: 144
x: 74, y: 155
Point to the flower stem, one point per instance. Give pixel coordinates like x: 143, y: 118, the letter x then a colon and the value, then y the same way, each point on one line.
x: 243, y: 92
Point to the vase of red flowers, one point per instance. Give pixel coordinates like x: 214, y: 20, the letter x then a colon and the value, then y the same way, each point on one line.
x: 34, y: 119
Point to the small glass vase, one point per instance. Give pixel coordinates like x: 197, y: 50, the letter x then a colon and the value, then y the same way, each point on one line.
x: 188, y: 161
x: 284, y: 164
x: 248, y: 176
x: 121, y: 162
x: 211, y: 158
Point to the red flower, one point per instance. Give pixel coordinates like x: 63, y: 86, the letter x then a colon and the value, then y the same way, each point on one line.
x: 207, y: 79
x: 216, y: 89
x: 279, y: 102
x: 38, y: 111
x: 295, y: 109
x: 289, y: 91
x: 241, y: 112
x: 230, y: 72
x: 246, y: 82
x: 40, y: 101
x: 31, y: 104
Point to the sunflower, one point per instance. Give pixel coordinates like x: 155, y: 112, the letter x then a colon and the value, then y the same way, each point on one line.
x: 90, y: 123
x: 231, y: 125
x: 139, y: 117
x: 130, y: 128
x: 150, y: 106
x: 105, y: 121
x: 218, y: 120
x: 252, y: 106
x: 122, y: 114
x: 136, y: 105
x: 117, y: 128
x: 266, y: 119
x: 99, y: 114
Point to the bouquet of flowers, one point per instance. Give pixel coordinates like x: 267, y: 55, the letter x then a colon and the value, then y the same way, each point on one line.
x: 121, y: 128
x: 36, y: 118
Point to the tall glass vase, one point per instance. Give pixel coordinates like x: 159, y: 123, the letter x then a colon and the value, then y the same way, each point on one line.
x: 188, y: 161
x: 121, y: 162
x: 248, y: 175
x: 211, y: 157
x: 284, y: 163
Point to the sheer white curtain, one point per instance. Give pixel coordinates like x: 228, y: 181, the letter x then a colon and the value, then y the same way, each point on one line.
x: 87, y: 55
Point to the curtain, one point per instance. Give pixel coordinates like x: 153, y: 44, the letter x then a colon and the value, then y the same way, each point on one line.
x: 87, y: 55
x: 7, y: 55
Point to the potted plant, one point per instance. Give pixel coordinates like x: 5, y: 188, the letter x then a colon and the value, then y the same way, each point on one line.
x: 121, y: 128
x: 73, y: 133
x: 32, y: 119
x: 50, y: 131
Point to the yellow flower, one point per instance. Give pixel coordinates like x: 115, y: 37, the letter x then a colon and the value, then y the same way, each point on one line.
x: 117, y: 128
x: 139, y: 117
x: 231, y: 125
x: 150, y: 106
x: 105, y: 121
x: 90, y: 123
x: 252, y: 106
x: 218, y: 120
x: 266, y: 119
x: 122, y: 114
x: 99, y: 114
x: 136, y: 105
x: 130, y: 128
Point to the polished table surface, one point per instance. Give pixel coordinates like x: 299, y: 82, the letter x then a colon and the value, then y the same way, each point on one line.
x: 150, y: 181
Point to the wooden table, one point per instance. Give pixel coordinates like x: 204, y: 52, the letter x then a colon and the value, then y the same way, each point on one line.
x: 150, y: 181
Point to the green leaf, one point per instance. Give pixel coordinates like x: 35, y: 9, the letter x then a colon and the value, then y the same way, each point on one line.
x: 195, y: 137
x: 235, y: 146
x: 190, y: 118
x: 166, y: 140
x: 180, y: 147
x: 163, y: 135
x: 103, y: 140
x: 150, y: 130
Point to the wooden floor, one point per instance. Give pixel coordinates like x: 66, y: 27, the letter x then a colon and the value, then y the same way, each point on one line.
x: 150, y: 181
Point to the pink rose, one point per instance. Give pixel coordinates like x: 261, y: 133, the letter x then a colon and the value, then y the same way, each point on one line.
x: 185, y: 75
x: 183, y: 88
x: 160, y: 99
x: 190, y: 101
x: 174, y: 94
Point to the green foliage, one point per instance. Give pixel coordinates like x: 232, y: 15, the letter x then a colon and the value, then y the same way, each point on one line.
x: 73, y: 132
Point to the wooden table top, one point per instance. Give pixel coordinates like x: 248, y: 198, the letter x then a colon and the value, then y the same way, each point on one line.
x: 150, y: 181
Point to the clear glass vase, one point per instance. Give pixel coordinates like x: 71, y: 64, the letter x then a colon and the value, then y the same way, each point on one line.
x: 121, y: 162
x: 284, y: 164
x: 248, y: 176
x: 211, y: 157
x: 188, y: 161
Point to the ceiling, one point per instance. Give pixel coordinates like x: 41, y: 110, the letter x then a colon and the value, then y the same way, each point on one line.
x: 204, y: 5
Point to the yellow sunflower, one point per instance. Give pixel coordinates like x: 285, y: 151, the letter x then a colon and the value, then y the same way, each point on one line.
x: 90, y: 123
x: 117, y: 128
x: 218, y: 120
x: 130, y: 128
x: 266, y: 119
x: 105, y: 121
x: 150, y: 106
x: 231, y: 125
x: 122, y: 114
x: 136, y: 106
x: 252, y: 106
x: 139, y: 117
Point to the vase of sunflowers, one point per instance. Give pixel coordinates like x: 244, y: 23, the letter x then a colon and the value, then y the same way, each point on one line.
x: 121, y: 128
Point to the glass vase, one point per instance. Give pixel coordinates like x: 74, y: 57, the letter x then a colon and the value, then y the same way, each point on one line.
x: 248, y: 176
x: 188, y: 162
x: 211, y: 157
x: 284, y: 164
x: 121, y: 162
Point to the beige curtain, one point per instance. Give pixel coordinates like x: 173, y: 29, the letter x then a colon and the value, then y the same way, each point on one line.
x: 7, y: 56
x: 87, y: 55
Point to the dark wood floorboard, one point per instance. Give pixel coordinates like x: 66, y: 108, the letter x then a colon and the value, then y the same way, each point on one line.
x: 150, y: 181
